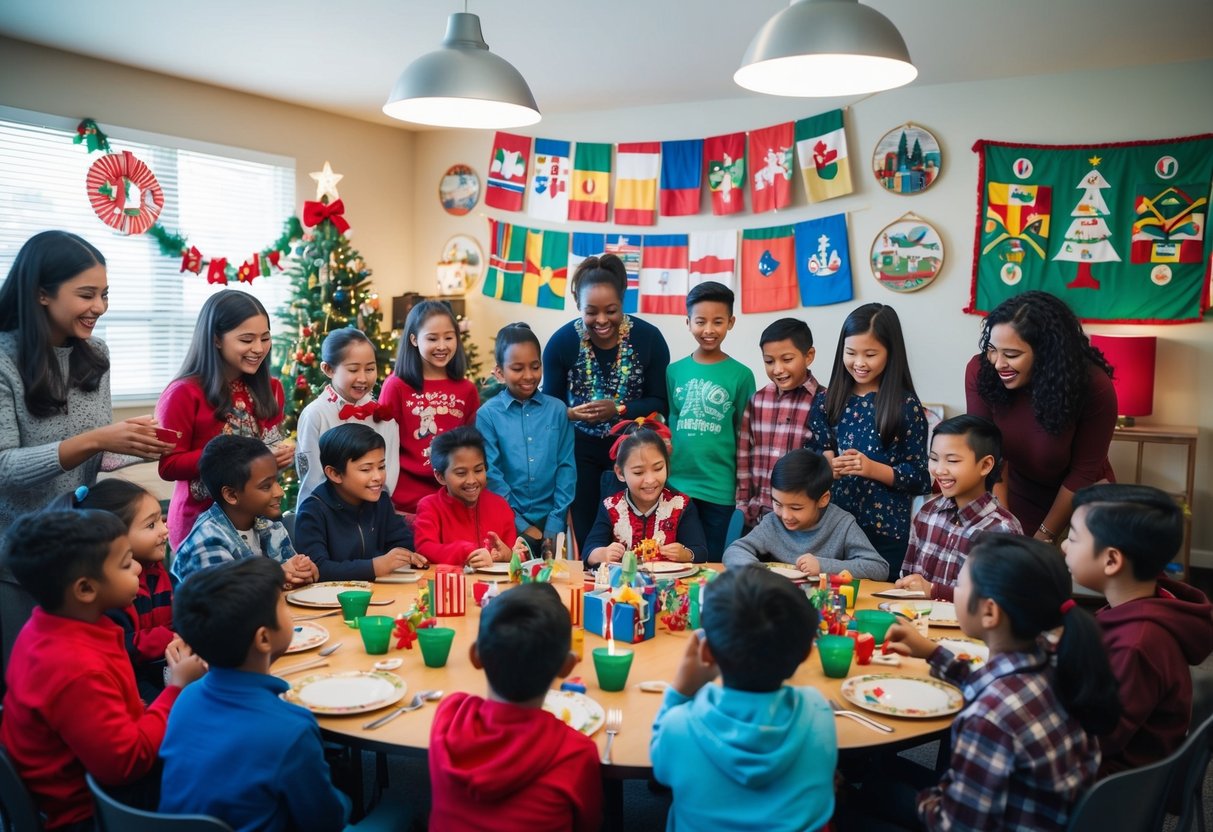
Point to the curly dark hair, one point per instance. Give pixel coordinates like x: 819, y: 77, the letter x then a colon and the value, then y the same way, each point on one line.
x: 1062, y: 357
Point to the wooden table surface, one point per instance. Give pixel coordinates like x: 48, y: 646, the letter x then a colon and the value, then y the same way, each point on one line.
x: 655, y: 659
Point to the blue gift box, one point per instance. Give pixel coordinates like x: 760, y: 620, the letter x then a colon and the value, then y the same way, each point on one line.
x: 623, y: 617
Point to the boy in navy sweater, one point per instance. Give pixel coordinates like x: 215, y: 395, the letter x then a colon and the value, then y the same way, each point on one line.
x: 348, y: 525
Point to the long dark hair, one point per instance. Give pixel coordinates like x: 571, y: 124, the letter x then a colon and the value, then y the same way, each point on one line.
x: 44, y: 263
x: 224, y: 311
x: 408, y: 358
x: 1029, y: 581
x: 895, y: 382
x: 1062, y: 356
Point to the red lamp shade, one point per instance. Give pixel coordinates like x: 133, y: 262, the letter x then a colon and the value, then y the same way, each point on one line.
x: 1132, y: 359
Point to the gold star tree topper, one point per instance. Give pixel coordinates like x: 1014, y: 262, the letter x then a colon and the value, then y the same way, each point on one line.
x: 326, y: 182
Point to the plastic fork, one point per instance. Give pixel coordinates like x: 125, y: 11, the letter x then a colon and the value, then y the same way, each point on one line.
x: 614, y: 721
x: 858, y: 717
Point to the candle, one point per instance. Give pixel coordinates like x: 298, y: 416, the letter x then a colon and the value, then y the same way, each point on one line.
x: 848, y: 594
x: 610, y: 646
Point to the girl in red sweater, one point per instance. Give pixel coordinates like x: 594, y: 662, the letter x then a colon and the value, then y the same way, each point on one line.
x: 428, y: 394
x: 224, y: 386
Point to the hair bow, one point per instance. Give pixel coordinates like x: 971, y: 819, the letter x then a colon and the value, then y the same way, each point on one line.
x: 626, y: 428
x: 80, y: 494
x: 370, y: 410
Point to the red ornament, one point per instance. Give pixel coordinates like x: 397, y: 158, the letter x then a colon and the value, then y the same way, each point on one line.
x: 301, y: 383
x: 191, y: 260
x: 217, y: 271
x: 309, y: 359
x: 274, y: 257
x: 106, y: 188
x: 299, y: 355
x: 249, y: 269
x: 307, y: 332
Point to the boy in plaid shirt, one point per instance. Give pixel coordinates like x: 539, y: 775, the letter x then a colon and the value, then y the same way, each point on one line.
x: 777, y: 418
x: 965, y: 461
x: 241, y: 475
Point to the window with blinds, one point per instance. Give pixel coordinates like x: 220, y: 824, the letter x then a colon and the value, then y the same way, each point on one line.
x: 229, y: 202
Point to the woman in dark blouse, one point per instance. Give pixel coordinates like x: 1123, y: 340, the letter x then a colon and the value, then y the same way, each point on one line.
x: 605, y: 366
x: 1050, y: 393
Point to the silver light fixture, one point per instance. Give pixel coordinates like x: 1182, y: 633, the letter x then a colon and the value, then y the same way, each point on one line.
x: 462, y: 84
x: 825, y: 49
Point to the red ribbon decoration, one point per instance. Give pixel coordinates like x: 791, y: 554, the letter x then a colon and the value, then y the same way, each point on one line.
x: 315, y: 213
x: 626, y: 428
x: 274, y: 257
x: 217, y: 271
x: 191, y: 260
x: 249, y: 269
x: 370, y: 410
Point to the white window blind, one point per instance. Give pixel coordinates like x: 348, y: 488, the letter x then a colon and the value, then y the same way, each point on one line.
x: 228, y: 207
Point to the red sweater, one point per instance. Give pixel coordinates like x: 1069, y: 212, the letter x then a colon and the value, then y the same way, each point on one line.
x: 447, y: 529
x: 71, y: 707
x: 147, y: 624
x: 440, y: 406
x: 183, y: 407
x: 493, y: 764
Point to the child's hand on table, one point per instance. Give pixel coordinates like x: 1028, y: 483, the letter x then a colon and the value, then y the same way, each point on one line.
x: 300, y: 570
x: 677, y: 552
x: 905, y: 640
x: 808, y: 564
x: 607, y: 554
x: 916, y: 583
x: 184, y: 665
x: 694, y: 672
x: 390, y: 561
x: 479, y: 558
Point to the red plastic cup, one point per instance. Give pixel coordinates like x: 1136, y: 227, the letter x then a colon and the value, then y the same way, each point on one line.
x: 478, y: 590
x: 865, y: 645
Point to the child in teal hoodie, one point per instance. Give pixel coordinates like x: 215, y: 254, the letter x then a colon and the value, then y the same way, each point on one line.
x: 752, y: 753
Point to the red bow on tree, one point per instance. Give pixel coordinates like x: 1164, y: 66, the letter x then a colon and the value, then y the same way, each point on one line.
x: 191, y: 260
x: 315, y: 213
x: 370, y: 410
x: 626, y: 428
x: 217, y: 272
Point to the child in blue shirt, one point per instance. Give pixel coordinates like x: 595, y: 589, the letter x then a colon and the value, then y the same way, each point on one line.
x: 528, y: 441
x: 751, y: 753
x: 233, y: 749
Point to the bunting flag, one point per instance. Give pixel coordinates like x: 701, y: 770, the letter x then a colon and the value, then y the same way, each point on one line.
x: 591, y: 182
x: 637, y: 165
x: 547, y: 268
x: 768, y: 269
x: 507, y: 172
x: 823, y: 261
x: 771, y: 168
x: 713, y: 256
x: 821, y: 145
x: 663, y: 274
x: 583, y: 244
x: 549, y: 192
x: 681, y: 174
x: 507, y: 261
x: 627, y: 247
x: 726, y: 172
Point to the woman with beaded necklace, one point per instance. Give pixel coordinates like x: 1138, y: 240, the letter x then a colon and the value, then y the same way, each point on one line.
x: 605, y: 366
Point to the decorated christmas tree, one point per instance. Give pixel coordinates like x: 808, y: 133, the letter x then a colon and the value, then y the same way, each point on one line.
x: 331, y: 289
x: 1088, y: 239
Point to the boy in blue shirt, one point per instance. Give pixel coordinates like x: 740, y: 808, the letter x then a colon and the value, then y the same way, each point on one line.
x: 233, y: 749
x: 751, y: 753
x: 528, y: 441
x: 708, y: 393
x: 241, y: 474
x: 347, y: 525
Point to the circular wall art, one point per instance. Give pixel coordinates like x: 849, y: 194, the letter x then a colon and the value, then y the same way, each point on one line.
x: 907, y: 254
x: 109, y: 182
x: 907, y: 160
x: 459, y: 190
x: 461, y: 265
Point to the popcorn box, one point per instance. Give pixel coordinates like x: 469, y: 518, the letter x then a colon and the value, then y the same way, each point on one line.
x: 576, y: 604
x: 448, y: 591
x: 628, y: 624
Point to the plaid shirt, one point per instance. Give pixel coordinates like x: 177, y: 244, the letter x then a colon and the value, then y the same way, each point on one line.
x: 1019, y: 761
x: 773, y: 424
x: 941, y: 536
x: 214, y: 540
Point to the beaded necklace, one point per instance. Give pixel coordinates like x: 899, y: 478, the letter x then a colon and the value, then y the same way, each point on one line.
x: 617, y: 378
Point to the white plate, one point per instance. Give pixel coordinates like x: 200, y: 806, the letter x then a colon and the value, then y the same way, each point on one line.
x: 325, y: 594
x: 977, y: 652
x: 576, y: 710
x: 495, y: 569
x: 352, y: 692
x: 899, y: 593
x: 943, y: 613
x: 307, y: 635
x: 908, y: 696
x: 400, y: 577
x: 789, y: 572
x: 669, y: 570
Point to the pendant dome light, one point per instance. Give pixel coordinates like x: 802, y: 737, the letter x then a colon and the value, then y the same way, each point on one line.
x: 826, y: 49
x: 462, y: 84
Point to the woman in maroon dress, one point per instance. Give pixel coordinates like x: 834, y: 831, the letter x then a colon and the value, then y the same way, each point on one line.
x: 1050, y: 393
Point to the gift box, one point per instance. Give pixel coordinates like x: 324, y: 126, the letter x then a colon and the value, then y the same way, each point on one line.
x: 628, y: 623
x: 448, y: 591
x: 576, y: 605
x: 616, y: 577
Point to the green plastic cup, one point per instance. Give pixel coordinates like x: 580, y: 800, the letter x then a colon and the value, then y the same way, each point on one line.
x: 835, y: 653
x: 876, y: 622
x: 435, y: 645
x: 376, y: 631
x: 612, y: 669
x: 354, y: 604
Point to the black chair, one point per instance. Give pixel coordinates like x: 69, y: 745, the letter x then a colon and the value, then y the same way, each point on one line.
x: 1186, y: 797
x: 1128, y: 800
x: 113, y: 816
x: 17, y: 811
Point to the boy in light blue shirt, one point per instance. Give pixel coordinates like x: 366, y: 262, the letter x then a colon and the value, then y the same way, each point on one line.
x: 752, y: 753
x: 528, y: 441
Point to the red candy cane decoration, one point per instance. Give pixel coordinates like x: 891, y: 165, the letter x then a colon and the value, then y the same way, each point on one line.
x: 107, y: 192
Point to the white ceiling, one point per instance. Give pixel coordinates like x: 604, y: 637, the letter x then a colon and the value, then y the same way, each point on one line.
x: 581, y: 55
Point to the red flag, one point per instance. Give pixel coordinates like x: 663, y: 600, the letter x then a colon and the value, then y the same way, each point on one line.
x: 768, y: 269
x: 507, y: 172
x: 771, y: 167
x: 725, y: 158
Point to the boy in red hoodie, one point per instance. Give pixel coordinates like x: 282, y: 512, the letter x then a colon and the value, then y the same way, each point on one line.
x: 72, y: 705
x: 1121, y: 537
x: 504, y: 762
x: 463, y: 522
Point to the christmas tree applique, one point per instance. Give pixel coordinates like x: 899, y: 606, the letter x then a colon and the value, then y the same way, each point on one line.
x: 1088, y: 239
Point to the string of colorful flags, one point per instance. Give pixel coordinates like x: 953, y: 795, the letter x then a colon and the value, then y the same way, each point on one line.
x: 570, y: 182
x: 772, y: 269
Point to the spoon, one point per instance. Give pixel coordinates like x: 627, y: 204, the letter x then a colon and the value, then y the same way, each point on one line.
x: 330, y: 650
x: 420, y: 699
